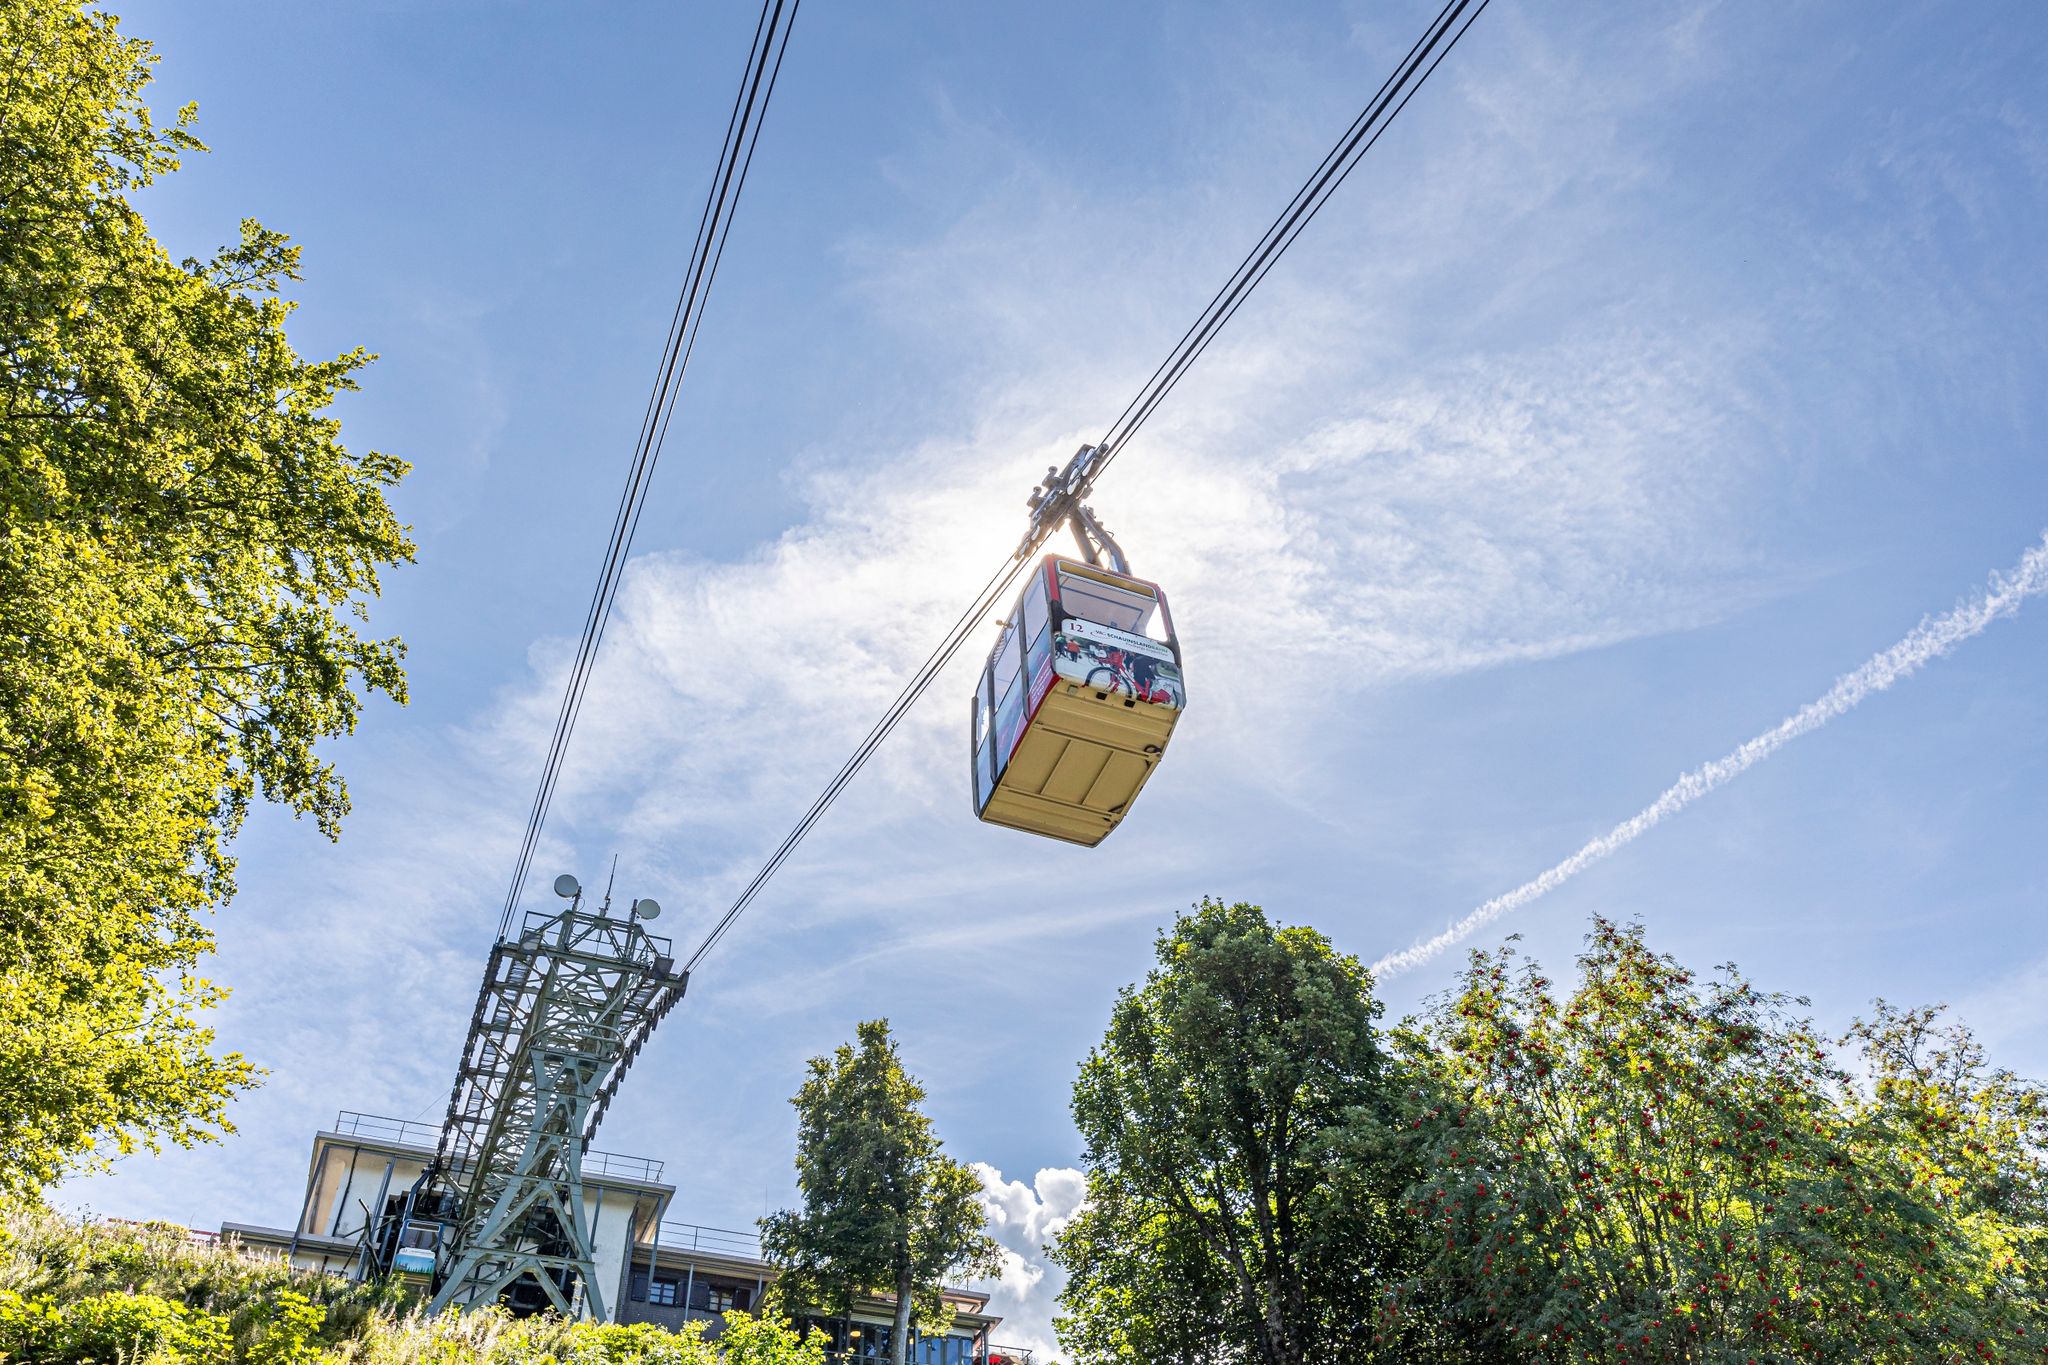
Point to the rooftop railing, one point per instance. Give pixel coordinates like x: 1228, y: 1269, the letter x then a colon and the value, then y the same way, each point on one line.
x: 402, y: 1131
x: 642, y: 1168
x: 697, y: 1237
x: 407, y: 1133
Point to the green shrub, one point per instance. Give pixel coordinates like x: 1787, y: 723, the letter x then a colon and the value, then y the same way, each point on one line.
x: 297, y: 1316
x: 83, y: 1293
x: 288, y: 1337
x: 118, y: 1328
x: 26, y: 1325
x: 640, y: 1343
x: 767, y: 1341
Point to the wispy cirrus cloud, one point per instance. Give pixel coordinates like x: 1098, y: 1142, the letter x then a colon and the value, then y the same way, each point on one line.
x: 1932, y: 639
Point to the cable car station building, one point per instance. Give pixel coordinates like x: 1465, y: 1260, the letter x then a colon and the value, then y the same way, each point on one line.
x: 655, y: 1270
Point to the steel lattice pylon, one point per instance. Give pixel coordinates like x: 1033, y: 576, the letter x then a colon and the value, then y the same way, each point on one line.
x: 566, y: 1005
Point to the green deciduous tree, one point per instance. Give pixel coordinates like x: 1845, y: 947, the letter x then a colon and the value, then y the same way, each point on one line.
x: 185, y: 547
x: 1243, y: 1169
x: 885, y: 1210
x: 1657, y: 1167
x: 1971, y: 1139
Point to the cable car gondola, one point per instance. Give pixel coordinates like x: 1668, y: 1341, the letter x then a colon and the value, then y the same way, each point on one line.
x: 1079, y: 696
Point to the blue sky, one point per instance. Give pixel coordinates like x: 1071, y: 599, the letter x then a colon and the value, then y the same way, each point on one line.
x: 1658, y: 368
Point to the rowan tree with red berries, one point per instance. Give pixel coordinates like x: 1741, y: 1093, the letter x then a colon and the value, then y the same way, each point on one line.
x: 1973, y: 1140
x: 1660, y: 1167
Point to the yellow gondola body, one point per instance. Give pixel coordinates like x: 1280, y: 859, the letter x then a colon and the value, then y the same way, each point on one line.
x: 1076, y: 703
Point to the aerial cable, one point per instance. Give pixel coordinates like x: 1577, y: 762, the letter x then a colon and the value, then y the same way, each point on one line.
x: 1392, y: 97
x: 1421, y: 61
x: 1273, y: 229
x: 969, y: 621
x: 721, y: 201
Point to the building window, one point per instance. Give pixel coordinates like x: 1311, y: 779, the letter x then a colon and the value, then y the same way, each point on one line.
x: 729, y: 1298
x: 662, y: 1292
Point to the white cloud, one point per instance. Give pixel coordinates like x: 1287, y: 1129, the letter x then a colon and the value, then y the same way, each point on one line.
x: 1025, y: 1218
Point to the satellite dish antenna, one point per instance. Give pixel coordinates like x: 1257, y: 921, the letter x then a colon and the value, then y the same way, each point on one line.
x: 567, y: 887
x: 647, y: 909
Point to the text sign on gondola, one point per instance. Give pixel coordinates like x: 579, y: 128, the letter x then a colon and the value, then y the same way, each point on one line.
x: 1121, y: 639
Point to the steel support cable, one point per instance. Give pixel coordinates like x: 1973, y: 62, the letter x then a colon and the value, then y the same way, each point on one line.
x: 969, y: 621
x: 1336, y: 166
x: 717, y: 255
x: 610, y: 564
x: 1267, y: 237
x: 721, y: 218
x: 1393, y: 96
x: 742, y: 135
x: 647, y: 450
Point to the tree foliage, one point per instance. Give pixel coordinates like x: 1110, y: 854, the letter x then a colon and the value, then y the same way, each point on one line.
x: 1657, y: 1167
x: 1243, y: 1170
x: 185, y: 547
x: 78, y: 1292
x: 1970, y: 1139
x: 885, y: 1210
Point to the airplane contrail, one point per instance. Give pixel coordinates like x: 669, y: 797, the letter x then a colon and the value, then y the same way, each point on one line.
x: 1934, y: 637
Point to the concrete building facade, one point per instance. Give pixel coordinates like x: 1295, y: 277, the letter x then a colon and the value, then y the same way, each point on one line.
x: 653, y: 1268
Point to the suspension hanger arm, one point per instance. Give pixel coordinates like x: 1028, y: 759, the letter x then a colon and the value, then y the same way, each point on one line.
x: 1093, y: 538
x: 1058, y: 498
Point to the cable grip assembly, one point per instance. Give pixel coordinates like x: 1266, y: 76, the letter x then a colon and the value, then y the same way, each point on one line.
x: 1059, y: 498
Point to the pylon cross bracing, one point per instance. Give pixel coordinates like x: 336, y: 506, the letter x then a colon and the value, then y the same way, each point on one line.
x: 565, y: 1006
